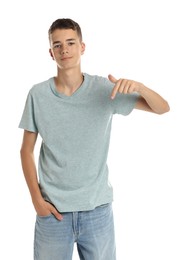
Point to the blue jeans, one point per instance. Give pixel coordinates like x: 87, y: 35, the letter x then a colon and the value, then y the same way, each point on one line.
x: 93, y: 231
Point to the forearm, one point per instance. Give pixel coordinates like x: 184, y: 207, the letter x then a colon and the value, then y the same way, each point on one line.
x: 30, y: 174
x: 149, y: 100
x: 155, y: 102
x: 42, y: 207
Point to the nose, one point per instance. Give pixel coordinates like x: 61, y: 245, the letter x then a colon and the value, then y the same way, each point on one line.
x: 64, y: 49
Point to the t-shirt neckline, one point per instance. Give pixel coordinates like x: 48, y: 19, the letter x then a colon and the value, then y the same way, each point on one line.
x: 62, y: 95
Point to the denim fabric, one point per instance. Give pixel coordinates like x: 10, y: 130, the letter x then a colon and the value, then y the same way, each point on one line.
x: 93, y: 231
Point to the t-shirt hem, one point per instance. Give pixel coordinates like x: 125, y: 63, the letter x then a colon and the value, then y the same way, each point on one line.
x: 84, y: 208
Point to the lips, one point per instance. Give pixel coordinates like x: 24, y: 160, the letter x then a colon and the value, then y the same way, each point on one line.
x: 65, y: 58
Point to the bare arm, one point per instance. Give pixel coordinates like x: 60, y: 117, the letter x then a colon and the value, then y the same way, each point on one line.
x: 149, y: 100
x: 42, y: 207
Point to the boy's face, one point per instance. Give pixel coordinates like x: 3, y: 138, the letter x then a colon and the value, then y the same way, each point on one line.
x: 66, y: 48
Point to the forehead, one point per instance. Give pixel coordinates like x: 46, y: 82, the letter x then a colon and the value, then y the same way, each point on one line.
x: 63, y: 35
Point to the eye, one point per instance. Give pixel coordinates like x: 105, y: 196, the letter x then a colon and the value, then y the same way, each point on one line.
x: 71, y: 43
x: 56, y: 46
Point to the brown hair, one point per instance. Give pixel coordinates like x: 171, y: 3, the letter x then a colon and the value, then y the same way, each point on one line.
x: 65, y: 23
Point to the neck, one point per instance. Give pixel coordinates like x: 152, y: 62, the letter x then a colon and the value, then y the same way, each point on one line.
x: 67, y: 82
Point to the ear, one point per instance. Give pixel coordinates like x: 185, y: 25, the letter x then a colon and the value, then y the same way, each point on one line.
x: 82, y: 48
x: 51, y: 54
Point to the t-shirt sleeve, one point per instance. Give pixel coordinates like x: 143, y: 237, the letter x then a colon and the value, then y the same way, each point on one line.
x: 124, y: 103
x: 27, y: 121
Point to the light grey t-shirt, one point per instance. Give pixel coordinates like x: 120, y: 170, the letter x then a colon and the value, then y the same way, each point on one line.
x: 75, y: 131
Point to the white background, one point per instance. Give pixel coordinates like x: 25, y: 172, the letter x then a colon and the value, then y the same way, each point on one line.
x: 148, y: 159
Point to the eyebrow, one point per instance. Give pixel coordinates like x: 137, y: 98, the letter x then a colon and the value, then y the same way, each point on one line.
x: 68, y: 40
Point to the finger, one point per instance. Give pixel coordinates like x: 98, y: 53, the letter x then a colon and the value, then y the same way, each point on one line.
x: 115, y: 90
x: 130, y: 87
x: 56, y: 214
x: 123, y: 86
x: 116, y: 87
x: 126, y: 87
x: 112, y: 78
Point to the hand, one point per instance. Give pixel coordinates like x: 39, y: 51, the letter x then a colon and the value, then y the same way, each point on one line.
x: 44, y: 208
x: 124, y: 86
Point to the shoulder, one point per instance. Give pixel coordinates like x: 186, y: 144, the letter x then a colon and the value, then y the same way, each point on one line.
x: 98, y: 82
x: 96, y: 78
x: 41, y: 87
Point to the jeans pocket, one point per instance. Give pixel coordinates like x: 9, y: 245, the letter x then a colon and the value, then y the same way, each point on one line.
x: 43, y: 217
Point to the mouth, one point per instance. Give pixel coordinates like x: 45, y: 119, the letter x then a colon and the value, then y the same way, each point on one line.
x: 65, y: 58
